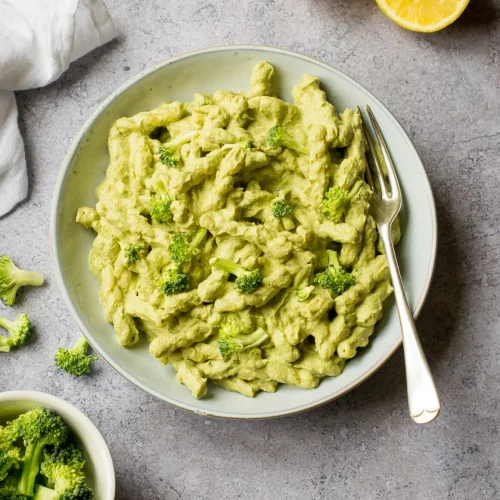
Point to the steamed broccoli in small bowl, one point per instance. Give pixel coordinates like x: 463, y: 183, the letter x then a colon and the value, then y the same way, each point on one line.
x: 39, y: 459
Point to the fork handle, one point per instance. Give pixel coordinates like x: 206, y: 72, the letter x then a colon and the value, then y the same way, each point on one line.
x: 422, y: 394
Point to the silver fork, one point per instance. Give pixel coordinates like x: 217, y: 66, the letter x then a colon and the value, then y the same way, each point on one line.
x: 423, y: 399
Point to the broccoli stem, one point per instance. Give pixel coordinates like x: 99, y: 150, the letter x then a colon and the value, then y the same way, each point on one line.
x: 43, y: 493
x: 198, y: 237
x: 160, y: 189
x: 354, y: 190
x: 5, y: 344
x: 230, y: 267
x: 7, y: 324
x: 333, y: 260
x: 81, y: 346
x: 23, y: 277
x: 31, y: 467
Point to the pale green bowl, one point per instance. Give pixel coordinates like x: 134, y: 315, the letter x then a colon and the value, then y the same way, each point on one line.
x: 205, y: 71
x: 99, y: 469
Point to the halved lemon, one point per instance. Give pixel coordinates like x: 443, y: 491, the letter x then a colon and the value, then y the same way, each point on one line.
x: 423, y: 15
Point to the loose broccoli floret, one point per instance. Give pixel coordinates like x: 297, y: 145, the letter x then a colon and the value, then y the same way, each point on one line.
x: 132, y: 252
x: 280, y: 207
x: 279, y: 137
x: 10, y: 455
x: 159, y: 207
x: 20, y: 331
x: 335, y: 277
x: 75, y: 361
x: 169, y: 152
x: 232, y: 338
x: 337, y: 199
x: 12, y: 278
x: 63, y: 466
x: 38, y: 428
x: 303, y: 292
x: 247, y: 145
x: 246, y: 281
x: 181, y: 250
x: 173, y: 281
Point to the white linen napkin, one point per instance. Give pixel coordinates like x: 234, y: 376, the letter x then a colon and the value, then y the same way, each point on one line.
x: 38, y: 41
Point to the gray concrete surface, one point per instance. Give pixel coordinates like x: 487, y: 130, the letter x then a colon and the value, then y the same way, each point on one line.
x: 445, y: 89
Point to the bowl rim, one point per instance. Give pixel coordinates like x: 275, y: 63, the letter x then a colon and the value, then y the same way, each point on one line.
x: 81, y: 421
x: 65, y: 167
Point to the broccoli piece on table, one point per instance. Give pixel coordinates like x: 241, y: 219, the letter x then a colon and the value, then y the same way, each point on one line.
x: 20, y: 331
x: 246, y: 145
x: 75, y: 361
x: 173, y: 281
x: 37, y: 428
x: 246, y: 281
x: 337, y: 199
x: 335, y: 277
x: 132, y: 252
x: 63, y: 466
x: 159, y: 207
x: 12, y: 278
x: 169, y: 153
x: 279, y: 137
x: 232, y: 338
x: 181, y: 250
x: 280, y: 207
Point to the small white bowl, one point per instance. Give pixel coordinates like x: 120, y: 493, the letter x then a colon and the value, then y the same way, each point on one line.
x: 99, y: 469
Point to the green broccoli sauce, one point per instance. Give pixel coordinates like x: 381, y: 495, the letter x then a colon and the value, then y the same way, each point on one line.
x: 248, y: 211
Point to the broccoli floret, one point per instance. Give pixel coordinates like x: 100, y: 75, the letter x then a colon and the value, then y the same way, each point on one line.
x: 76, y: 489
x: 38, y: 428
x: 20, y: 331
x: 247, y: 145
x: 75, y: 361
x: 63, y: 466
x: 246, y: 281
x: 132, y: 252
x: 244, y: 118
x: 279, y: 137
x: 181, y: 250
x: 173, y: 281
x: 337, y: 199
x: 12, y: 278
x: 335, y: 277
x: 232, y: 338
x: 10, y: 455
x: 303, y: 292
x: 280, y: 207
x: 8, y: 488
x: 67, y: 454
x: 159, y: 207
x: 169, y: 153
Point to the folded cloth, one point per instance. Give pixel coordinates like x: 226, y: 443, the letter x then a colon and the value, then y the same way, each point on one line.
x: 38, y: 41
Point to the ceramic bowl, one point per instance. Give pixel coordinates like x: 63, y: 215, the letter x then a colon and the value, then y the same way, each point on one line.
x: 99, y: 469
x: 206, y: 71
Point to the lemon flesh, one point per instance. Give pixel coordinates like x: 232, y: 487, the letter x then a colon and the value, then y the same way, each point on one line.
x: 423, y: 15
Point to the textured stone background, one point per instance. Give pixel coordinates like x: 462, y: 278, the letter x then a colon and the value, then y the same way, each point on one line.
x: 445, y: 89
